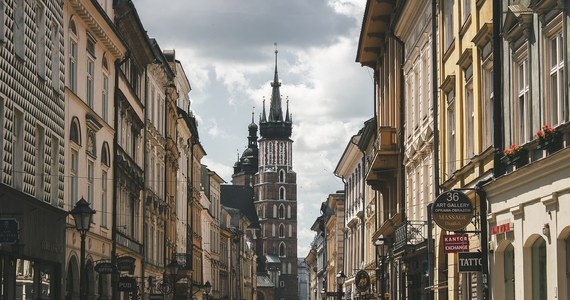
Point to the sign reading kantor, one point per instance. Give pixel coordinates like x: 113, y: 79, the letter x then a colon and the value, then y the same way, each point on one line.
x: 452, y: 210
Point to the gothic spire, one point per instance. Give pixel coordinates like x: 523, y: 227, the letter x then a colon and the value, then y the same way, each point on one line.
x: 287, y: 111
x: 263, y: 115
x: 275, y: 110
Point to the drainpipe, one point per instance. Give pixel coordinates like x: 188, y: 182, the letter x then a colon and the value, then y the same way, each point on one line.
x: 435, y: 115
x: 498, y: 169
x: 145, y: 159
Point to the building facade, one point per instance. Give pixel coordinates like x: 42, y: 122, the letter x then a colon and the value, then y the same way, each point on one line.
x: 32, y: 139
x: 529, y: 235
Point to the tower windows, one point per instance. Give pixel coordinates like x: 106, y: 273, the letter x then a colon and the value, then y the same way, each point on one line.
x: 282, y: 249
x: 281, y: 230
x: 281, y: 193
x: 282, y: 176
x: 281, y: 211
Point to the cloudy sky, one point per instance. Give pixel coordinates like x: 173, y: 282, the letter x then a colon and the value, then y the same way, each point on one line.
x: 227, y: 50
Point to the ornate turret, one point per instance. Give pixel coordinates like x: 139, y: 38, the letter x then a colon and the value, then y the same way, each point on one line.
x: 248, y: 162
x: 275, y: 127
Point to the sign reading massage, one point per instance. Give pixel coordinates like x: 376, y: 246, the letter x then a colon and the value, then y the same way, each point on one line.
x: 452, y: 210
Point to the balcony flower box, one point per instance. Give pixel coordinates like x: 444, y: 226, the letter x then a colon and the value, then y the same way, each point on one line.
x: 516, y: 155
x: 549, y: 139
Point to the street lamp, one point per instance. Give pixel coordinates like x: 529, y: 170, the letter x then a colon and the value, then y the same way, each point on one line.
x: 208, y: 289
x: 82, y: 215
x: 382, y: 244
x: 340, y: 279
x: 174, y: 267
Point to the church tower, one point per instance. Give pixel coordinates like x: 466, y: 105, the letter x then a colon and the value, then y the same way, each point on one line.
x: 276, y: 197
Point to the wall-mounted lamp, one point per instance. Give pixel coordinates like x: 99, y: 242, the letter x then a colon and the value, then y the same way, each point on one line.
x: 546, y: 230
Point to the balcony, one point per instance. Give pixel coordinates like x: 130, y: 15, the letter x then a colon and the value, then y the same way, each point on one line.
x: 386, y: 159
x: 410, y: 233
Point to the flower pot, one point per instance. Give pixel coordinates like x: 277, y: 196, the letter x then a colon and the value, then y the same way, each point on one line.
x: 551, y: 143
x: 518, y: 159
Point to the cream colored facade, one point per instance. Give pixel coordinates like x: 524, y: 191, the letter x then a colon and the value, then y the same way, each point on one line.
x: 91, y: 49
x: 529, y: 203
x: 359, y: 225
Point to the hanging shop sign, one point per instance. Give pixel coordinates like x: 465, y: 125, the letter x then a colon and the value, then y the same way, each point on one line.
x: 9, y: 231
x: 453, y: 243
x: 452, y: 210
x: 126, y: 264
x: 470, y: 262
x: 127, y: 284
x: 105, y: 268
x: 362, y: 280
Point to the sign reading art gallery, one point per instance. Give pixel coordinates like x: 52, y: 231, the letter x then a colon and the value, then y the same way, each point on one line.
x: 452, y: 210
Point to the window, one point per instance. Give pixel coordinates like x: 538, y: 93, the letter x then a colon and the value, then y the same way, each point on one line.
x: 90, y: 81
x: 19, y: 29
x: 487, y: 105
x: 105, y: 155
x: 2, y: 20
x: 282, y: 176
x: 55, y: 57
x: 281, y: 212
x: 555, y: 105
x: 104, y: 185
x: 41, y: 39
x: 451, y: 159
x: 469, y: 113
x: 72, y: 57
x: 281, y: 153
x: 281, y: 230
x: 75, y: 132
x: 538, y: 259
x: 105, y: 92
x: 448, y: 22
x: 73, y: 186
x: 90, y: 178
x: 270, y: 153
x: 281, y: 193
x: 18, y: 150
x: 522, y: 114
x: 91, y: 44
x: 40, y: 162
x: 466, y: 10
x: 282, y: 252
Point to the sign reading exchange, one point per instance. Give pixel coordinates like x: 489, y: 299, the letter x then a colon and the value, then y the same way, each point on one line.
x: 452, y: 210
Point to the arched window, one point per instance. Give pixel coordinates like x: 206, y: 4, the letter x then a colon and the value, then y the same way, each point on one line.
x: 75, y: 131
x: 281, y: 230
x: 105, y: 90
x: 270, y: 153
x: 282, y: 193
x: 281, y: 214
x: 282, y: 176
x: 509, y: 271
x: 282, y: 250
x: 105, y: 154
x: 538, y: 260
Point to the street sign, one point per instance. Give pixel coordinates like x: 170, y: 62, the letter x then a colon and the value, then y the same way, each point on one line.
x: 9, y: 230
x: 452, y: 210
x: 470, y: 262
x: 453, y: 243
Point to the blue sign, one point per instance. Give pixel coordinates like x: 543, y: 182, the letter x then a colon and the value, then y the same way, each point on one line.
x: 9, y: 231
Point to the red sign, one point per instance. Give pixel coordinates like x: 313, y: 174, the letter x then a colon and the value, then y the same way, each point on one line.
x: 453, y: 243
x: 501, y: 228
